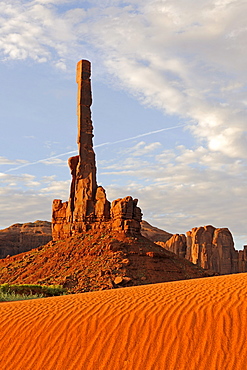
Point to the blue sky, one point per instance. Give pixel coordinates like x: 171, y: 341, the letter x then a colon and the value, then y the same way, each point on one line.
x: 169, y: 107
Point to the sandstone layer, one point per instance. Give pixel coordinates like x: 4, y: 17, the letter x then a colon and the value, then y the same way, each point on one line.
x: 195, y: 324
x: 88, y: 207
x: 20, y: 238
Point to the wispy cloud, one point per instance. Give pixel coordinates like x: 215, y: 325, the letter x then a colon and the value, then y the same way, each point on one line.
x: 50, y: 160
x: 6, y: 161
x: 26, y: 198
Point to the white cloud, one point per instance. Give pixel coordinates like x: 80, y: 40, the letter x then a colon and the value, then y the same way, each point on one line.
x: 6, y: 161
x: 34, y: 30
x: 59, y: 189
x: 142, y: 149
x: 25, y: 198
x: 181, y: 60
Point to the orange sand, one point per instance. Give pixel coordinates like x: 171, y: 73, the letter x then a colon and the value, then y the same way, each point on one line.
x: 185, y: 325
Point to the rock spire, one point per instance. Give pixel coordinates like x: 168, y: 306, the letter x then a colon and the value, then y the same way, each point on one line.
x: 83, y: 166
x: 88, y: 207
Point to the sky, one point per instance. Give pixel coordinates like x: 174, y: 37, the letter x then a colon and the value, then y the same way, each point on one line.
x: 169, y: 107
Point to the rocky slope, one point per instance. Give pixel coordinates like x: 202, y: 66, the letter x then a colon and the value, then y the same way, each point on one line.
x: 96, y: 261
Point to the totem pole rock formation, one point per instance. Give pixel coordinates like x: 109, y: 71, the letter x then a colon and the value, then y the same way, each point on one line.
x: 88, y: 207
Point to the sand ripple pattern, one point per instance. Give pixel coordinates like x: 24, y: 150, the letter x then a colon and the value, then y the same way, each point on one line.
x: 185, y: 325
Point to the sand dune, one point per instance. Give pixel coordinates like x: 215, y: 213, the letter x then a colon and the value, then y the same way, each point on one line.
x: 184, y: 325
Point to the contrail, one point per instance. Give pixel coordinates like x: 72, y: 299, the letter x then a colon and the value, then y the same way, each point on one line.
x: 146, y: 134
x: 40, y: 161
x: 96, y: 146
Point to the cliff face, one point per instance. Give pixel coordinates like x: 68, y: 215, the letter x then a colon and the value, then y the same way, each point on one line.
x: 210, y: 248
x: 176, y: 244
x: 88, y: 207
x: 20, y: 238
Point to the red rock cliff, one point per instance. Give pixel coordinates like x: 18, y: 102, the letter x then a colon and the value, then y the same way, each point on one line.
x: 210, y: 248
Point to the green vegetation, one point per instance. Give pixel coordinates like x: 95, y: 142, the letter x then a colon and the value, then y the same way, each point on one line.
x: 7, y: 297
x: 29, y: 291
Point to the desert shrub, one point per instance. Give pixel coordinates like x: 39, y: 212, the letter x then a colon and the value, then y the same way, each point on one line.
x: 33, y: 290
x: 6, y: 297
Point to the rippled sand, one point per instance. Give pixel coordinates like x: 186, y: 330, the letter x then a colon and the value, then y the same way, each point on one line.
x: 184, y: 325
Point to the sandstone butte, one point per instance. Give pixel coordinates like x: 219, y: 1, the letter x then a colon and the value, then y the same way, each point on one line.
x: 210, y: 248
x: 195, y: 324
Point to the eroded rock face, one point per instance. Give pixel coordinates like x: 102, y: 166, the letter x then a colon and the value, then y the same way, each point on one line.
x: 126, y: 216
x: 88, y: 207
x: 242, y: 260
x: 102, y: 205
x: 210, y: 248
x: 20, y: 238
x: 176, y: 244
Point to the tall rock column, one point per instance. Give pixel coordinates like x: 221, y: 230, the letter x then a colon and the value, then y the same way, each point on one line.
x: 84, y: 188
x: 88, y: 207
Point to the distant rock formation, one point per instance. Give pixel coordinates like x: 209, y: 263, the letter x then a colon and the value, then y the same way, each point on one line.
x: 176, y: 244
x: 20, y: 238
x: 210, y: 248
x: 88, y: 207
